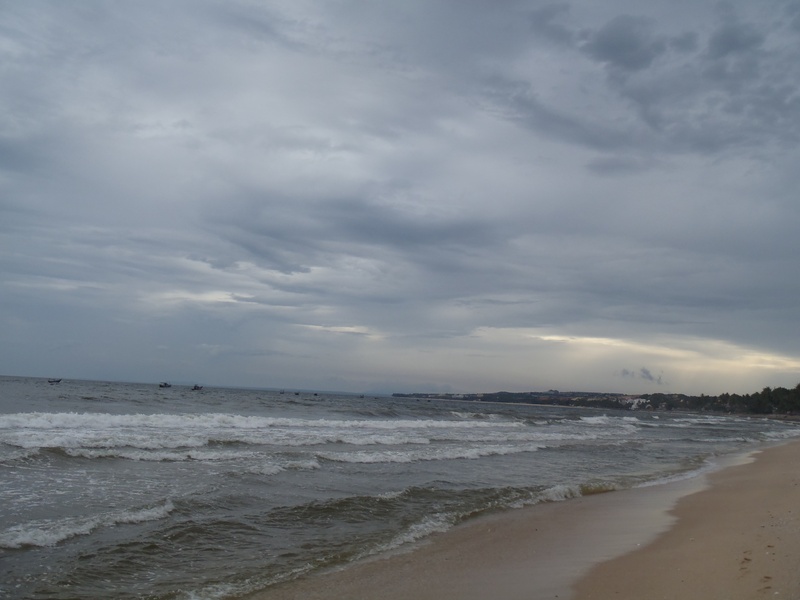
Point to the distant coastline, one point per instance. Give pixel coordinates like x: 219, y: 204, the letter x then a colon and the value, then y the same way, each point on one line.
x: 777, y: 401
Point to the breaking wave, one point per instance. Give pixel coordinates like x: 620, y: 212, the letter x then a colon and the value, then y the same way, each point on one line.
x: 50, y: 533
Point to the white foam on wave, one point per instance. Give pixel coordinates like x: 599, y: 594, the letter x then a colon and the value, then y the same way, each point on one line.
x: 705, y: 420
x: 366, y: 439
x: 415, y: 455
x: 272, y: 468
x: 428, y: 525
x: 162, y: 455
x: 10, y: 454
x: 266, y: 469
x: 559, y: 493
x: 65, y: 421
x: 303, y: 465
x: 240, y: 590
x: 50, y: 533
x: 605, y: 426
x: 716, y: 440
x: 674, y: 425
x: 463, y: 415
x: 216, y: 592
x: 481, y: 415
x: 706, y: 467
x: 783, y: 435
x: 442, y: 521
x: 168, y: 432
x: 603, y: 420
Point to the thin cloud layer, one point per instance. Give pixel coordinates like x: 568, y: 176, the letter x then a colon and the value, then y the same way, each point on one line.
x: 464, y: 196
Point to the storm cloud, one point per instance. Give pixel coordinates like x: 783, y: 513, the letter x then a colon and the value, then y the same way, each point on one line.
x: 464, y: 196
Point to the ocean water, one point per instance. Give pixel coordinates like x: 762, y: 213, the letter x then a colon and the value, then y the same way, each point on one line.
x: 117, y: 490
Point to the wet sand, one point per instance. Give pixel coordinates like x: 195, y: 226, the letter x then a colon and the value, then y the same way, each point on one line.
x: 734, y: 534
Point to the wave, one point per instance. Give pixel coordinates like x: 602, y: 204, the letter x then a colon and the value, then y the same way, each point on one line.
x: 10, y: 454
x: 707, y: 420
x: 303, y: 464
x: 416, y: 455
x: 706, y: 467
x: 478, y: 415
x: 50, y: 533
x: 169, y: 437
x: 260, y: 463
x: 783, y: 435
x: 160, y: 456
x: 425, y: 527
x: 46, y: 421
x: 456, y: 506
x: 273, y: 468
x: 604, y: 420
x: 629, y: 423
x: 266, y: 469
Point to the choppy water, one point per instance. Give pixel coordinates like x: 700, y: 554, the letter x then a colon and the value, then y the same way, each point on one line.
x: 132, y: 491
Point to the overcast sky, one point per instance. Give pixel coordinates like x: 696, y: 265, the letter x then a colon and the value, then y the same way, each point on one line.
x: 411, y: 195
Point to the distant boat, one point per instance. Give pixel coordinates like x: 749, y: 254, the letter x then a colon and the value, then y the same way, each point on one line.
x: 197, y: 387
x: 53, y: 381
x: 164, y: 384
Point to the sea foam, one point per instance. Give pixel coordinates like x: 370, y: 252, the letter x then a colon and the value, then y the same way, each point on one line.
x: 50, y: 533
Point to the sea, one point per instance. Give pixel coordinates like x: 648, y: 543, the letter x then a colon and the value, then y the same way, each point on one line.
x: 129, y: 490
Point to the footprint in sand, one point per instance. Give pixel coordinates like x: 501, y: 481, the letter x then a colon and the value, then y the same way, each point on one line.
x: 765, y: 579
x: 745, y: 559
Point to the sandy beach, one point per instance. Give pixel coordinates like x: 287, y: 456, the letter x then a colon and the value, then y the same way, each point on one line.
x: 734, y: 534
x: 737, y: 540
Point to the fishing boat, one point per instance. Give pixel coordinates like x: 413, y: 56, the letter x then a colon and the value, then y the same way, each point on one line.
x: 165, y: 384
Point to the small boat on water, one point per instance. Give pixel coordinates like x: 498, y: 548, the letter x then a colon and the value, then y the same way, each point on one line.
x: 165, y: 384
x: 53, y: 381
x: 197, y: 387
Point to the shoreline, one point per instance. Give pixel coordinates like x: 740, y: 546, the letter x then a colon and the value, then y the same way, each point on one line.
x: 738, y: 539
x: 584, y: 548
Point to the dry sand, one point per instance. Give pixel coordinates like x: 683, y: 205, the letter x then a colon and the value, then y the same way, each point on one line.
x: 732, y: 535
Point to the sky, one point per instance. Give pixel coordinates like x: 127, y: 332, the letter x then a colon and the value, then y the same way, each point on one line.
x: 399, y: 196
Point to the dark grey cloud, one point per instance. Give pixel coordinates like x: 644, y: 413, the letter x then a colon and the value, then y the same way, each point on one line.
x: 546, y: 22
x: 793, y: 15
x: 642, y: 374
x: 734, y: 38
x: 684, y: 42
x: 619, y: 165
x: 626, y: 42
x: 646, y: 374
x: 519, y: 101
x: 693, y: 91
x: 373, y: 224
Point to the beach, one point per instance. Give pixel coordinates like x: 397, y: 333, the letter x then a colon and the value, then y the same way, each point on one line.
x: 732, y: 534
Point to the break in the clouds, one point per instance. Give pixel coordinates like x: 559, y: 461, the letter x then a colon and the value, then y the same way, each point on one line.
x: 398, y: 196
